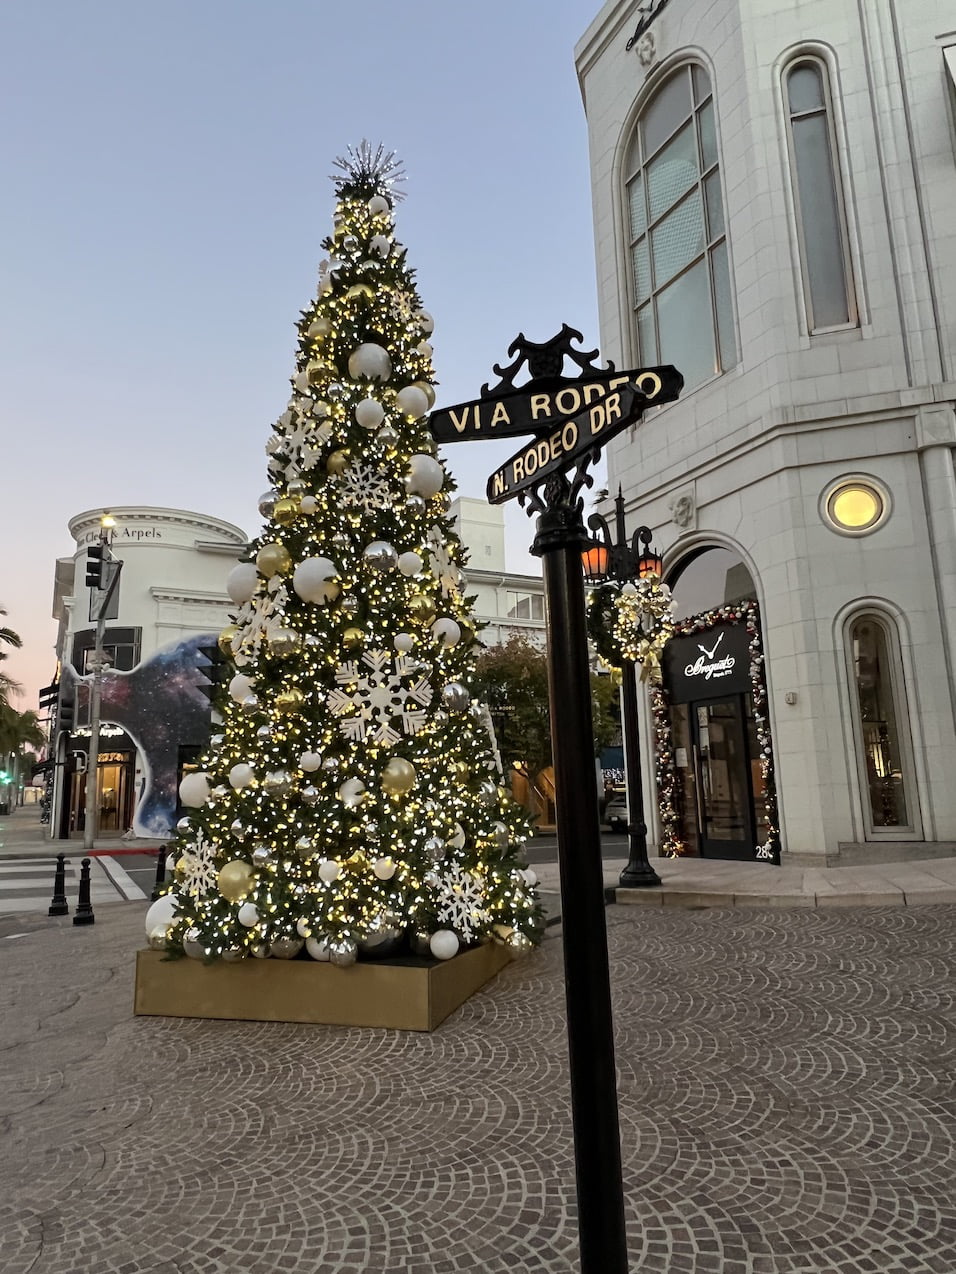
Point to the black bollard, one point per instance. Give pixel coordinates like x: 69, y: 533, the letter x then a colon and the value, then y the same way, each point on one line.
x: 58, y: 903
x: 160, y: 873
x: 84, y: 908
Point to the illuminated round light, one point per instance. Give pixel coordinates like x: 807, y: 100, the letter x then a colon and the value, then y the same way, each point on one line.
x: 855, y: 506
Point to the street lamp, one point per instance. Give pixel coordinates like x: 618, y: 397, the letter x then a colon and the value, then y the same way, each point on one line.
x: 624, y: 561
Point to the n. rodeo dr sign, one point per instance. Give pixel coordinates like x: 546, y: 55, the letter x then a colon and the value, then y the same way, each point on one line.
x: 572, y: 438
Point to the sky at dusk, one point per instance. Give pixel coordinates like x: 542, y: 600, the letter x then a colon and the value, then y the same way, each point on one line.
x: 166, y: 175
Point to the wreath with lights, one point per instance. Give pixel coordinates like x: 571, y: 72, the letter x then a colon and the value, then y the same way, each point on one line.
x: 632, y: 623
x: 667, y: 777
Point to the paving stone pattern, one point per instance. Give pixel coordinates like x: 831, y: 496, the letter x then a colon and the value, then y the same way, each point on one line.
x: 786, y: 1098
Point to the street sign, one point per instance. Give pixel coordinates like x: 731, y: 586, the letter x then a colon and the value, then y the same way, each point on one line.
x: 576, y: 436
x: 538, y: 409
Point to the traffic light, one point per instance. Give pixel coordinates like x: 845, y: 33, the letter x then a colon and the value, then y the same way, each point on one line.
x: 94, y: 565
x: 219, y: 670
x: 67, y: 714
x: 48, y: 695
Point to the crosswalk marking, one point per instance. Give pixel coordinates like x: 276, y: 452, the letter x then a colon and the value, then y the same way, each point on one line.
x: 26, y: 884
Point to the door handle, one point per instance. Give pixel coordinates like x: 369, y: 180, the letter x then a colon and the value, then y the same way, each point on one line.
x: 699, y: 789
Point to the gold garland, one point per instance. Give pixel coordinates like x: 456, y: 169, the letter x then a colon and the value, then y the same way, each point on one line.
x: 644, y: 623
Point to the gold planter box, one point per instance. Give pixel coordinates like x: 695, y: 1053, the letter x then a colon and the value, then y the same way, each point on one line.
x: 403, y: 995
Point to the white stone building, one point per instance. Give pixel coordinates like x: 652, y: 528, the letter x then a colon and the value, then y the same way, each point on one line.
x: 774, y: 193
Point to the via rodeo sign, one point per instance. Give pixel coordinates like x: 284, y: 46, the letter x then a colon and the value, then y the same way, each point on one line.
x: 570, y: 417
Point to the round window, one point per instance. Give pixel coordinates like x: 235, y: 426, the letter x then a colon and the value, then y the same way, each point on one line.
x: 855, y: 505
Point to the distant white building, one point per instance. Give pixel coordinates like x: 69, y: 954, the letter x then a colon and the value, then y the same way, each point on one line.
x: 774, y: 193
x: 170, y: 603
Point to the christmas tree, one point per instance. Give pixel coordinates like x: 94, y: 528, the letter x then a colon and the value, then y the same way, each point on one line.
x: 351, y: 801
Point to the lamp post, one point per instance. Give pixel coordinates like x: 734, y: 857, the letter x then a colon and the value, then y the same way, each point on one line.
x: 622, y: 561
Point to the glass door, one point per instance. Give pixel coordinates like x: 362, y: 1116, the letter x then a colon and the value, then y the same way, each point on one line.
x: 723, y: 785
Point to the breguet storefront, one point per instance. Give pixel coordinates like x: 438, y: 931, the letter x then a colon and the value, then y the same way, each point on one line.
x: 714, y: 755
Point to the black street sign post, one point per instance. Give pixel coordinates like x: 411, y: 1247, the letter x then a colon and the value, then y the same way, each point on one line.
x: 572, y: 418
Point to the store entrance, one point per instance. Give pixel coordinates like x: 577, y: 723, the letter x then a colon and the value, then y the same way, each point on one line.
x: 724, y: 803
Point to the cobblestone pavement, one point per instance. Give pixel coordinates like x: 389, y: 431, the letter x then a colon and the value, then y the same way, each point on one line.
x: 786, y: 1094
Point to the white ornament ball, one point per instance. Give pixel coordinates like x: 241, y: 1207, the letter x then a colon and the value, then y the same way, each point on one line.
x: 369, y: 413
x: 329, y: 870
x: 529, y: 877
x: 240, y: 687
x: 426, y: 322
x: 241, y: 582
x: 457, y: 838
x: 425, y: 476
x: 403, y: 642
x: 241, y: 775
x: 410, y: 563
x: 384, y: 868
x: 303, y: 928
x: 378, y: 205
x: 379, y: 245
x: 352, y: 793
x: 314, y: 580
x: 308, y: 504
x: 248, y: 915
x: 412, y: 401
x: 447, y: 631
x: 443, y: 944
x: 161, y: 913
x: 317, y: 948
x: 309, y: 761
x: 371, y: 361
x: 194, y: 790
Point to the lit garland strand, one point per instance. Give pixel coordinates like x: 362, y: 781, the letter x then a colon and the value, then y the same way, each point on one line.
x: 349, y: 800
x: 667, y: 776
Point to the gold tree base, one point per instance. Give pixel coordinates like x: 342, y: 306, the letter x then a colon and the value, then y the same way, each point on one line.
x: 402, y: 995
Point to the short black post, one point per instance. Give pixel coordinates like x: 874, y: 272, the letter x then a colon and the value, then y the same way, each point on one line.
x: 84, y: 907
x: 597, y: 1139
x: 160, y: 873
x: 58, y: 903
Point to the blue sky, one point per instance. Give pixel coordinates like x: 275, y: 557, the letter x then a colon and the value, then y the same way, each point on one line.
x: 166, y: 193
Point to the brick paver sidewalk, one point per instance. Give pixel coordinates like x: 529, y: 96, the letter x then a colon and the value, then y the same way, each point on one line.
x: 786, y: 1094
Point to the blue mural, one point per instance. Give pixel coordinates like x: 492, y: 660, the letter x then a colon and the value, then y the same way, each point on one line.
x: 161, y: 705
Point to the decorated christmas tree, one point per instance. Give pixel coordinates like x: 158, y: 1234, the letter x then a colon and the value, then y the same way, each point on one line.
x: 351, y: 800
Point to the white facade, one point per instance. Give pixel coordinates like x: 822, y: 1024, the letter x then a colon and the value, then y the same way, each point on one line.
x: 745, y: 459
x: 506, y: 603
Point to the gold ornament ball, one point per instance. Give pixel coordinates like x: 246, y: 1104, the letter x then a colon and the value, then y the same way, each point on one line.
x: 286, y: 511
x: 398, y: 776
x: 226, y: 638
x: 428, y: 391
x: 235, y: 880
x: 289, y: 701
x: 459, y: 770
x: 181, y: 866
x: 353, y: 638
x: 318, y: 370
x: 360, y: 291
x: 337, y: 462
x: 421, y: 608
x: 273, y: 559
x: 284, y: 641
x: 319, y: 328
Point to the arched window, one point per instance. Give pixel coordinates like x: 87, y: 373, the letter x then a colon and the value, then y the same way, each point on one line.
x: 680, y: 277
x: 884, y: 753
x: 818, y: 193
x: 712, y: 578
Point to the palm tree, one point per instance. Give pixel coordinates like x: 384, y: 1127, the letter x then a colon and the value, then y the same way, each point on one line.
x: 18, y: 731
x: 7, y: 685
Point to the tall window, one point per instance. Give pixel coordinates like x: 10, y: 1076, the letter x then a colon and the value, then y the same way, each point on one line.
x: 882, y: 724
x: 680, y: 278
x: 821, y: 216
